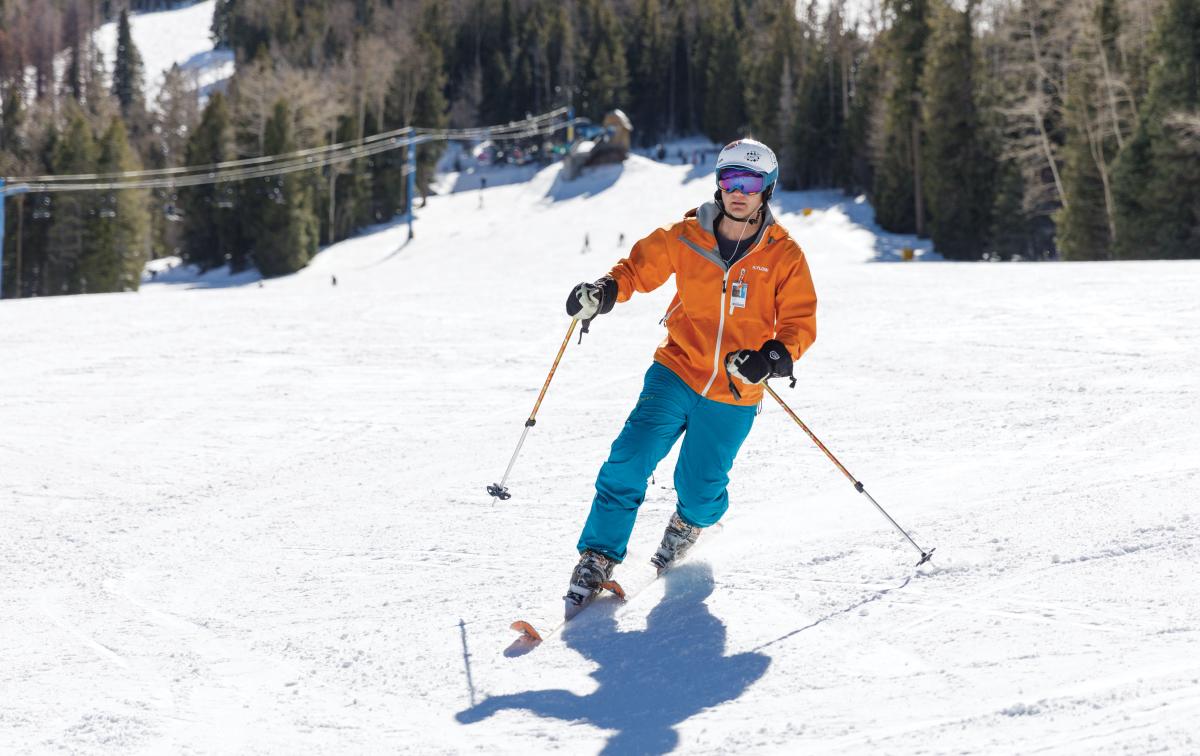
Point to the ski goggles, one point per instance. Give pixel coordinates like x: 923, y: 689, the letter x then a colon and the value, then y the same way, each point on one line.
x: 741, y: 180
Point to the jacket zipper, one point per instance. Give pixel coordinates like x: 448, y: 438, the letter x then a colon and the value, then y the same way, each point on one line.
x: 720, y: 333
x: 670, y: 312
x: 721, y: 323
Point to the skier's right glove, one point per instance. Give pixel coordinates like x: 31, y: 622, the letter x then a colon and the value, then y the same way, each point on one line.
x: 772, y: 360
x: 587, y: 300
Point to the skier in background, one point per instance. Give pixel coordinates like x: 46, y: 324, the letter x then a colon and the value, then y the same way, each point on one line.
x: 743, y: 311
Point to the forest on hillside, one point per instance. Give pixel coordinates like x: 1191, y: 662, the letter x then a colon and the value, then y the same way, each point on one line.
x: 1001, y: 129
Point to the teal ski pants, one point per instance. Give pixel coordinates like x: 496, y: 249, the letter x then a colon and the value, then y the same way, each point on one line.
x: 667, y: 408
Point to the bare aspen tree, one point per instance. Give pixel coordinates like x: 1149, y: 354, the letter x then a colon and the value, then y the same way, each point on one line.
x: 1045, y: 97
x: 375, y: 58
x: 1032, y: 53
x: 254, y: 93
x: 339, y: 96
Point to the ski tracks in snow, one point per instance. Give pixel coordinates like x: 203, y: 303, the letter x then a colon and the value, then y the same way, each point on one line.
x: 211, y: 686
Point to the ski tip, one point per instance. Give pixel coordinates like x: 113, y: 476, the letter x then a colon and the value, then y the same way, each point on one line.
x: 526, y: 629
x: 614, y: 587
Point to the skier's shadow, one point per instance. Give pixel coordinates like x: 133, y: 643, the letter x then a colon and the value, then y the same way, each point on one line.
x: 650, y: 680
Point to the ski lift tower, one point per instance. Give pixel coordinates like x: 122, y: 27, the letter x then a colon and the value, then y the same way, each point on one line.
x: 5, y: 191
x: 411, y: 170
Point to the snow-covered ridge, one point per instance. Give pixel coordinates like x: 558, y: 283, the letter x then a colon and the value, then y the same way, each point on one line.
x: 164, y: 38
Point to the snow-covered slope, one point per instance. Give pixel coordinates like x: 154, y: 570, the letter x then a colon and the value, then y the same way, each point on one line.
x: 181, y: 35
x: 253, y: 520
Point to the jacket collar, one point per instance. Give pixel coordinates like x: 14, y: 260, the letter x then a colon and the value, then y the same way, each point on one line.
x: 708, y: 214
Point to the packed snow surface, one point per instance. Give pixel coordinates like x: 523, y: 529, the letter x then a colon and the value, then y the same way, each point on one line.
x: 248, y: 518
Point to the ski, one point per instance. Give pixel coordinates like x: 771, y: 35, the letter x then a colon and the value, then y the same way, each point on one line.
x: 529, y: 637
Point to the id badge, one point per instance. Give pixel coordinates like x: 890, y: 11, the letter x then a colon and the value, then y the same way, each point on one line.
x: 737, y: 296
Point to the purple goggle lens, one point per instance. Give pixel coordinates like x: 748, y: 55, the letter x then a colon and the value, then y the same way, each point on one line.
x: 740, y: 180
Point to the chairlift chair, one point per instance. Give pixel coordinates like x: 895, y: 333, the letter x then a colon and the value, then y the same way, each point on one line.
x: 41, y: 211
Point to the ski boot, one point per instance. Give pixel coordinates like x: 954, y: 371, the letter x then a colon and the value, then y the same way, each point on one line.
x: 677, y: 539
x: 590, y: 575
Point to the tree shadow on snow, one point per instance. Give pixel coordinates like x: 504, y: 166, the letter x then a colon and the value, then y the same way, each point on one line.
x: 649, y: 680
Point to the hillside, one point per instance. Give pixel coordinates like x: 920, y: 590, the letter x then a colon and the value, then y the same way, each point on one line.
x: 252, y: 519
x: 164, y: 38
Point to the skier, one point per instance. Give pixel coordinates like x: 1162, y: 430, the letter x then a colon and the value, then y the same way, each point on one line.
x: 744, y: 310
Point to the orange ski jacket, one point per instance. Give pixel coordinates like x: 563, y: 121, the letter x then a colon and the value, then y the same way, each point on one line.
x: 766, y: 293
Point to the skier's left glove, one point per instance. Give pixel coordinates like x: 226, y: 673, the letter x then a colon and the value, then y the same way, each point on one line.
x: 772, y: 360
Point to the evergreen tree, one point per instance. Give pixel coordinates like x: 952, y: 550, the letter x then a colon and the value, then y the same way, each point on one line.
x: 1157, y: 180
x: 681, y: 117
x: 77, y: 57
x: 564, y: 44
x: 531, y: 74
x: 208, y: 239
x: 284, y: 228
x: 720, y: 95
x: 119, y: 230
x: 898, y: 140
x: 430, y: 112
x: 222, y: 20
x: 786, y: 126
x: 959, y: 167
x: 127, y: 71
x: 820, y: 132
x: 12, y: 119
x: 851, y: 164
x: 1013, y: 232
x: 771, y: 94
x: 498, y: 49
x: 859, y: 135
x: 647, y: 61
x: 1084, y: 228
x: 607, y: 81
x: 69, y: 241
x: 352, y: 189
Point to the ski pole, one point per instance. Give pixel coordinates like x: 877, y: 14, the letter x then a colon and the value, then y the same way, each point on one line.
x: 498, y: 490
x: 858, y: 486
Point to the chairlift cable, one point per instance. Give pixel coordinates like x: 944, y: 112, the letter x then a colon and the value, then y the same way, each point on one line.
x: 270, y: 165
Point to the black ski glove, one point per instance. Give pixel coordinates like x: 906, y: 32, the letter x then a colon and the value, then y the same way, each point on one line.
x: 587, y: 300
x: 772, y: 360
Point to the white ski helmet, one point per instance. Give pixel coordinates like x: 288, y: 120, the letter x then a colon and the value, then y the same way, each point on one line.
x: 752, y: 155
